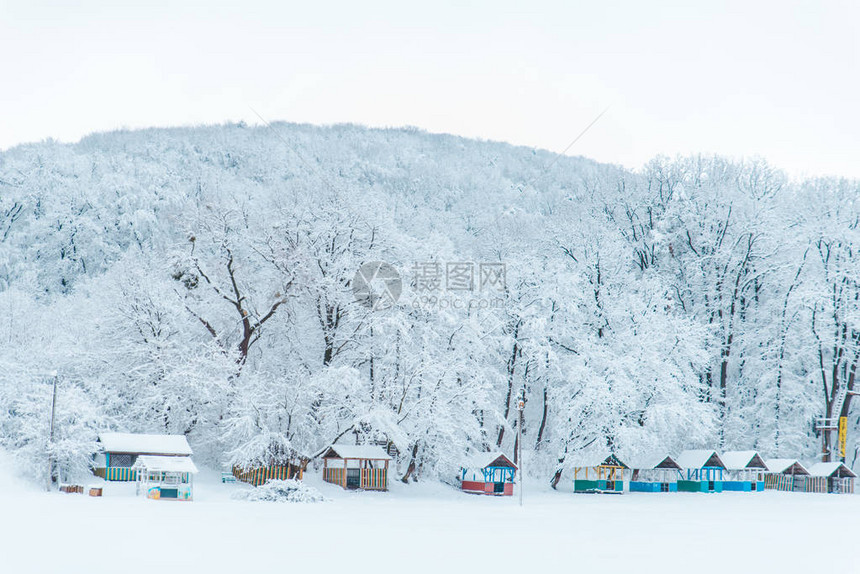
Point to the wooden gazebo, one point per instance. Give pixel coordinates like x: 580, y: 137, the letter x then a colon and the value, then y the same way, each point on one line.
x: 785, y: 474
x: 353, y: 467
x: 832, y: 477
x: 600, y: 476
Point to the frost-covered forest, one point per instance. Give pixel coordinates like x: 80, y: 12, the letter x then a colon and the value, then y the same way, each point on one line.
x: 200, y: 281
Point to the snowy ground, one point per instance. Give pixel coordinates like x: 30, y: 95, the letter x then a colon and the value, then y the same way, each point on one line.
x: 423, y: 528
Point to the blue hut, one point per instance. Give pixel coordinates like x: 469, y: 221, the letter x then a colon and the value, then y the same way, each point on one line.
x: 702, y: 470
x: 655, y: 474
x: 745, y: 471
x: 488, y: 473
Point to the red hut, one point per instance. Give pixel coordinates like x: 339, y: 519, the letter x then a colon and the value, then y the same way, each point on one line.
x: 488, y: 473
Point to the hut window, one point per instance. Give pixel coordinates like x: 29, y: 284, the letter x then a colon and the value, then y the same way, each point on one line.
x: 122, y: 460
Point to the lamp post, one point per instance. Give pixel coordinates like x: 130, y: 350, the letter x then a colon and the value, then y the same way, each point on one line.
x: 521, y: 405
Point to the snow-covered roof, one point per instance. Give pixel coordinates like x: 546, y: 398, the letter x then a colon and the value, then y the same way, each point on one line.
x: 170, y: 444
x: 165, y: 463
x: 830, y: 469
x: 594, y: 461
x: 366, y: 451
x: 699, y: 459
x: 785, y: 466
x: 742, y: 460
x: 649, y: 462
x: 485, y: 459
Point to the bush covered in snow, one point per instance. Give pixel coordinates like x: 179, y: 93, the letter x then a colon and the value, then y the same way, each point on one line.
x: 281, y: 491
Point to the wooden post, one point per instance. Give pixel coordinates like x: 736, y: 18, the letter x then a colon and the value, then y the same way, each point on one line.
x: 52, y: 478
x: 343, y: 480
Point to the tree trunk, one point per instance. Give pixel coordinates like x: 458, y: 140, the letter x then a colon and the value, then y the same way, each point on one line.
x: 410, y: 470
x: 512, y: 365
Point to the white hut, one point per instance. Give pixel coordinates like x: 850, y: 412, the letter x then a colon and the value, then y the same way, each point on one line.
x: 656, y: 473
x: 745, y: 471
x: 165, y: 477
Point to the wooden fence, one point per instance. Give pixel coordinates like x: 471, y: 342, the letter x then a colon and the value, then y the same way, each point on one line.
x: 789, y: 483
x: 258, y: 476
x: 374, y: 478
x: 783, y: 482
x: 816, y: 484
x: 120, y: 474
x: 334, y: 475
x: 369, y: 478
x: 845, y: 486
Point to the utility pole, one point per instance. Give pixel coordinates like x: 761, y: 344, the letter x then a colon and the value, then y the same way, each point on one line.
x: 521, y: 405
x: 51, y: 462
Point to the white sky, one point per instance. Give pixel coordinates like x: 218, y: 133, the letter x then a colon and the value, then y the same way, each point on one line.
x: 777, y: 79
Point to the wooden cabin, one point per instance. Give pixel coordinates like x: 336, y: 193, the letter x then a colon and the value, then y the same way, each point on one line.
x: 165, y: 477
x: 830, y: 477
x: 362, y: 467
x: 745, y: 470
x: 655, y: 474
x: 119, y: 451
x: 786, y: 474
x: 604, y: 476
x: 488, y: 473
x: 702, y: 471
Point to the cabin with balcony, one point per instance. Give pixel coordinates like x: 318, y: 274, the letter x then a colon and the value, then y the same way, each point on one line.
x: 119, y: 452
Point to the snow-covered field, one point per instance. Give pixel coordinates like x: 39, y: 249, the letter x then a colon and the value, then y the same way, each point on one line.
x: 422, y: 528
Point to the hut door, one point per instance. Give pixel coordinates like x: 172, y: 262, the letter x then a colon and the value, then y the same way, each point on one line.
x: 353, y: 478
x: 499, y: 488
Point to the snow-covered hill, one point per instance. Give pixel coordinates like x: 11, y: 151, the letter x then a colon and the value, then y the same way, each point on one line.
x: 200, y: 281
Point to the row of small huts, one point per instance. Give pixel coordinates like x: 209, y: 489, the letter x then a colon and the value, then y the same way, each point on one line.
x: 709, y: 471
x: 162, y: 467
